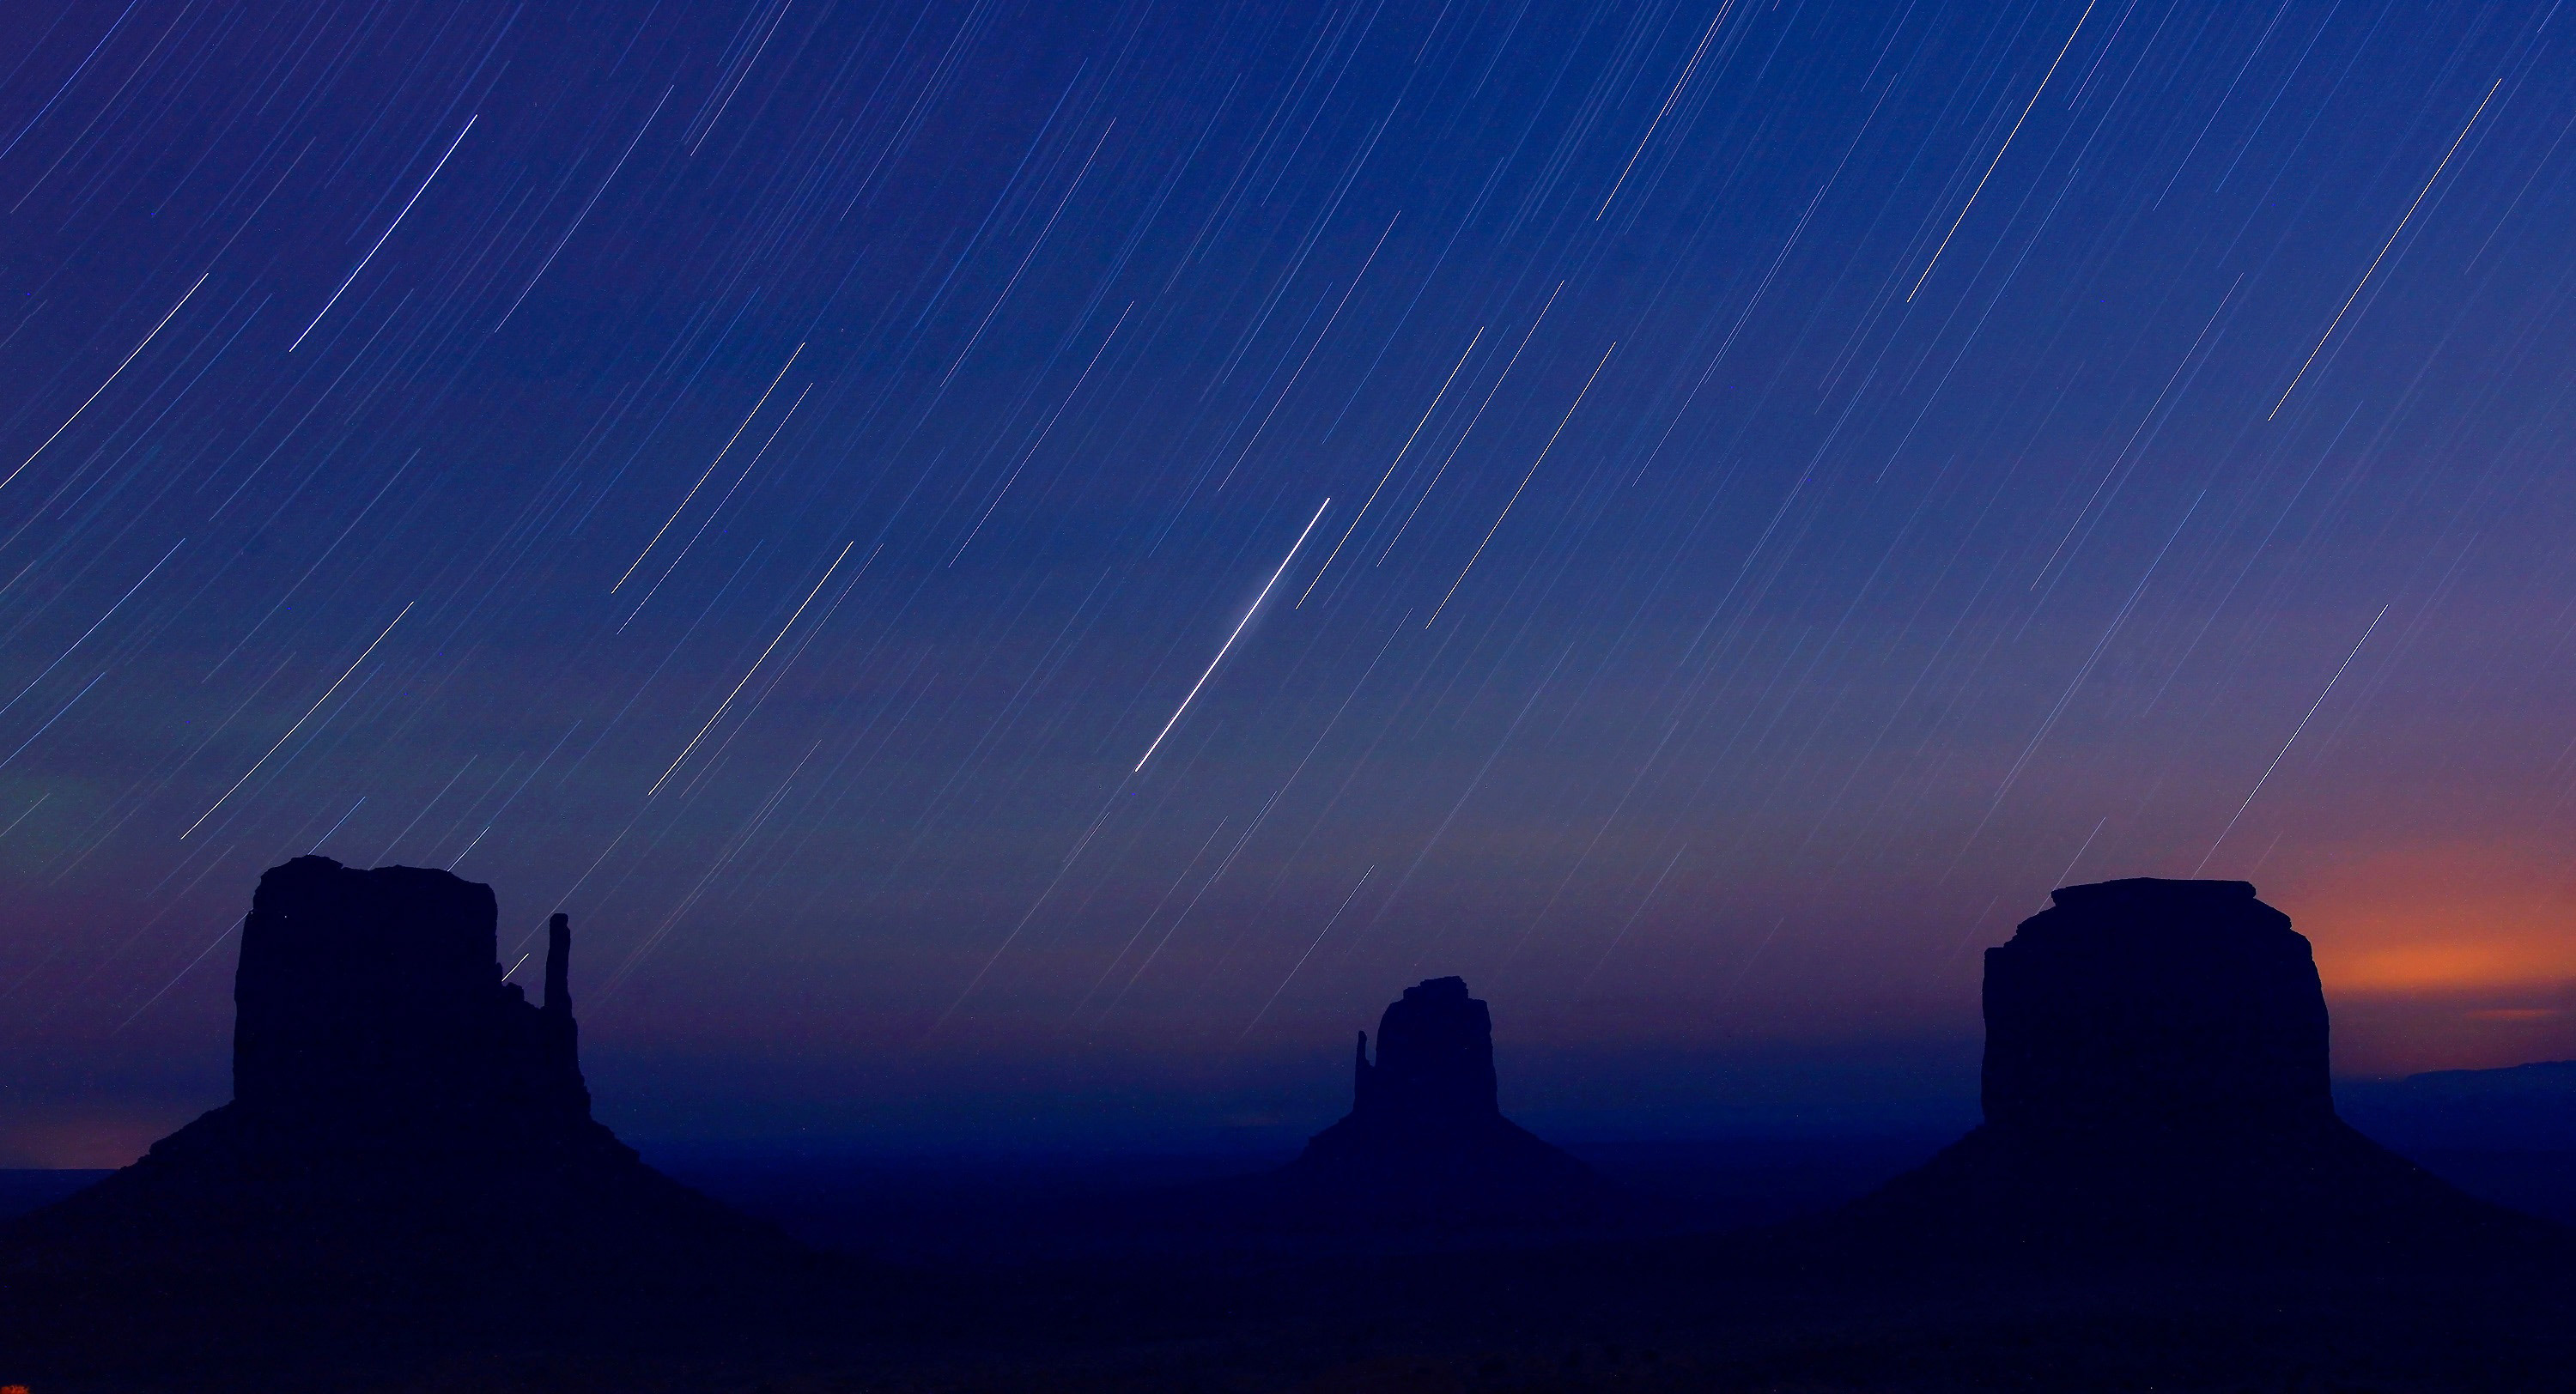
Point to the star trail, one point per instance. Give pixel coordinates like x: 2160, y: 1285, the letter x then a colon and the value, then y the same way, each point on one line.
x: 1771, y: 485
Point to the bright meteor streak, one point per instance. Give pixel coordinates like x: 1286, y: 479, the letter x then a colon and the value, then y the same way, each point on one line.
x: 1230, y: 638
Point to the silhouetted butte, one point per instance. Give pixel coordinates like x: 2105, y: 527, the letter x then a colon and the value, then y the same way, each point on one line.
x: 1426, y: 1143
x: 404, y: 1127
x: 2156, y: 1086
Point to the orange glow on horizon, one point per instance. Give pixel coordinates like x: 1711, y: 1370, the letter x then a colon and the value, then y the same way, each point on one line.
x: 2437, y: 919
x: 2439, y: 955
x: 2442, y: 967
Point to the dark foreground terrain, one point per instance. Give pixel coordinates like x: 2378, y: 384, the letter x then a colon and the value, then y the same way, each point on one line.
x: 1670, y: 1317
x: 2316, y: 1335
x: 927, y: 1302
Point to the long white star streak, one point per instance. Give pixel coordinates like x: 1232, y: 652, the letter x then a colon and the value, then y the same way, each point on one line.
x: 1310, y: 953
x: 31, y: 808
x: 718, y: 510
x: 86, y: 60
x: 560, y: 242
x: 1530, y: 474
x: 1230, y: 638
x: 388, y: 232
x: 344, y: 819
x: 174, y: 980
x: 2294, y: 736
x: 49, y: 723
x: 1999, y: 154
x: 1470, y: 429
x: 1320, y: 335
x: 2346, y: 307
x: 1400, y: 453
x: 1029, y: 451
x: 298, y: 726
x: 93, y: 629
x: 1665, y: 110
x: 727, y: 703
x: 102, y: 387
x: 710, y: 470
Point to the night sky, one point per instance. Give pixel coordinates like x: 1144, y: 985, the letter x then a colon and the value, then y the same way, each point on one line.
x: 1033, y: 564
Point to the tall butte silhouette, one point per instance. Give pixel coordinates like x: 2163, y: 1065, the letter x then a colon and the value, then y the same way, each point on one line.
x: 1426, y: 1143
x: 2156, y: 1087
x: 406, y: 1129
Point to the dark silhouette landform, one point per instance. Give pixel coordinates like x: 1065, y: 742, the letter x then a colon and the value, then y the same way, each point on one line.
x: 1426, y: 1145
x: 2529, y: 1107
x: 2506, y: 1135
x: 408, y: 1192
x: 2155, y: 1086
x: 405, y: 1128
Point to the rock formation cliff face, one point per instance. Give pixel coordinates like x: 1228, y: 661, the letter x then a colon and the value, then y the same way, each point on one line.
x: 2164, y: 1008
x: 372, y: 1000
x: 2156, y: 1084
x: 1426, y: 1145
x: 403, y: 1123
x: 1435, y: 1061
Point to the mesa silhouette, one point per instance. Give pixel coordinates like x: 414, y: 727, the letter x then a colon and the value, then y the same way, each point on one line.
x: 405, y: 1129
x: 2155, y: 1087
x: 1426, y: 1145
